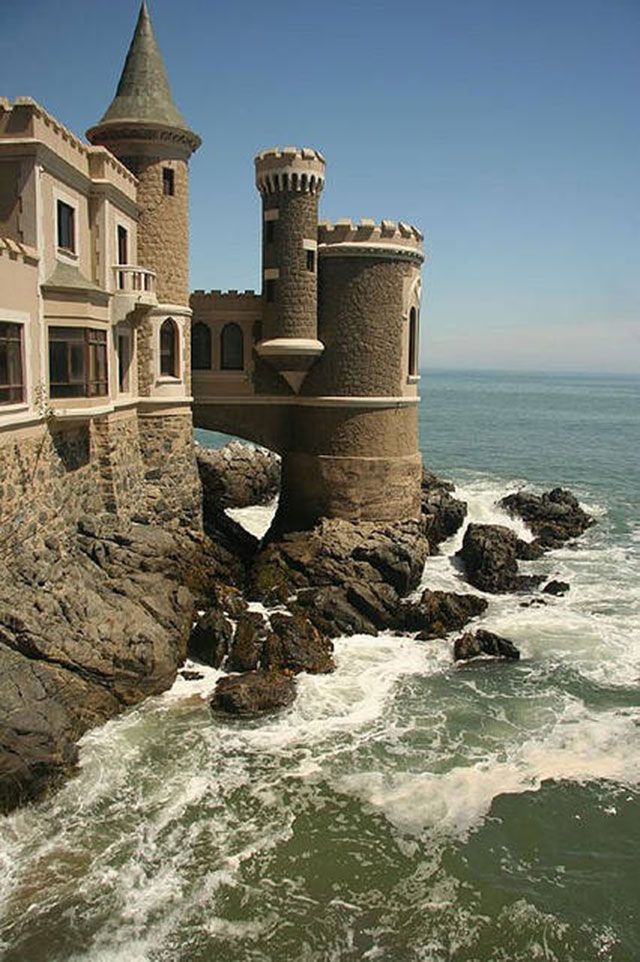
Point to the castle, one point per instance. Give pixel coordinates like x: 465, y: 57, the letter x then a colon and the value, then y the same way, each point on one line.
x: 107, y: 362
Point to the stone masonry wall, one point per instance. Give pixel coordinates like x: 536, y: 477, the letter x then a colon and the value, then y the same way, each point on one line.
x: 163, y: 230
x: 48, y: 479
x: 173, y: 495
x: 121, y: 469
x: 360, y: 303
x: 294, y: 312
x: 144, y: 347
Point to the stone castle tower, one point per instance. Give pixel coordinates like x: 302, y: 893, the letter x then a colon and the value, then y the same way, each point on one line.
x: 144, y: 129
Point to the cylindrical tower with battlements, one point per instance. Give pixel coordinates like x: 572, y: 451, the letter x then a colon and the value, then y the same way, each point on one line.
x: 290, y: 180
x: 354, y: 450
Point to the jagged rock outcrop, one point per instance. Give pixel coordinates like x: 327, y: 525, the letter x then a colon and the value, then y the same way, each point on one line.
x: 339, y: 552
x: 253, y: 693
x: 554, y: 517
x: 248, y: 642
x: 438, y: 612
x: 89, y: 626
x: 294, y: 644
x: 238, y: 475
x: 347, y: 578
x: 489, y: 555
x: 441, y: 512
x: 478, y: 643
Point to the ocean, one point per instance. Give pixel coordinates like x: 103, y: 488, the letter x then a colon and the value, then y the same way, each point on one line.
x: 406, y: 809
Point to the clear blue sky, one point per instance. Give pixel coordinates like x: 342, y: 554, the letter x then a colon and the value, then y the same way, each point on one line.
x: 506, y: 129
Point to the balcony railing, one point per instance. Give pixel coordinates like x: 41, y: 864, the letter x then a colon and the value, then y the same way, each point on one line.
x: 134, y: 280
x: 135, y: 288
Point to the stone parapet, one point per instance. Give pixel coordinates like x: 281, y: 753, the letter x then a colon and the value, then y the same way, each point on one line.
x: 298, y: 169
x: 388, y: 238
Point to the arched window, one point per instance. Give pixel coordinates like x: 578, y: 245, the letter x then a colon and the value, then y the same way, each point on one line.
x: 169, y: 348
x: 232, y: 348
x: 413, y: 342
x: 200, y: 347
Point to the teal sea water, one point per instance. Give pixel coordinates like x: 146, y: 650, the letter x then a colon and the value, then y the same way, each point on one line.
x: 405, y: 809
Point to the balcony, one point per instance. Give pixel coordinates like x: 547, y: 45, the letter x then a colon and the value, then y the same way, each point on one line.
x: 134, y: 289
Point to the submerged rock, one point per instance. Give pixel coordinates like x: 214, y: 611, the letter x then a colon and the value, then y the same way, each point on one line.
x: 554, y: 517
x: 481, y: 642
x: 438, y: 612
x: 441, y: 512
x: 556, y: 588
x: 253, y: 693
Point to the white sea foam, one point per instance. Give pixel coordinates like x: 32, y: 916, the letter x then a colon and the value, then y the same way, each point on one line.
x: 256, y: 519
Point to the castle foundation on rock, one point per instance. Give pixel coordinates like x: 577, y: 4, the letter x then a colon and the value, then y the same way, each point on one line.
x: 107, y: 362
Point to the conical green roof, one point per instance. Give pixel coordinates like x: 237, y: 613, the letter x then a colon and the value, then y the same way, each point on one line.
x: 143, y: 93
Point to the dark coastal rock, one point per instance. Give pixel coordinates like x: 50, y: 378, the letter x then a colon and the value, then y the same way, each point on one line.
x: 481, y: 642
x: 238, y: 475
x: 438, y: 612
x: 528, y: 550
x: 210, y: 638
x: 89, y: 626
x: 330, y: 610
x: 253, y: 693
x: 339, y: 553
x: 556, y: 588
x: 441, y: 512
x: 294, y: 644
x: 190, y: 675
x: 248, y: 642
x: 489, y: 555
x: 554, y: 517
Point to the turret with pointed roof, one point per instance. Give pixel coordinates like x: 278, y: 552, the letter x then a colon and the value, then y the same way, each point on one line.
x: 143, y: 98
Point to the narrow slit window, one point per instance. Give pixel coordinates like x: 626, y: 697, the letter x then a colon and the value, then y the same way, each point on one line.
x: 270, y: 291
x: 270, y: 231
x: 124, y: 363
x: 11, y: 364
x: 168, y: 181
x: 66, y: 227
x: 413, y: 342
x: 311, y: 261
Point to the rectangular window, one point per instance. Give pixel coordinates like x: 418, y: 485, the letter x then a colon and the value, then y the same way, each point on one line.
x: 11, y: 365
x: 269, y: 231
x: 124, y: 362
x: 77, y: 362
x: 311, y: 261
x: 168, y: 181
x: 270, y: 291
x: 123, y: 253
x: 66, y: 227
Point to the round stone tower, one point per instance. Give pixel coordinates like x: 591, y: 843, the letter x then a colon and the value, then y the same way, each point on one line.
x: 354, y: 447
x: 290, y: 180
x: 144, y: 129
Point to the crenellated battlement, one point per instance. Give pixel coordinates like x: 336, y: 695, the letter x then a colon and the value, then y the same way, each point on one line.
x: 227, y: 296
x: 296, y: 169
x: 346, y: 237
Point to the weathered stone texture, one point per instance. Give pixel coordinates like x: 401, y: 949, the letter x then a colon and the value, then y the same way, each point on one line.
x: 173, y: 494
x: 145, y: 353
x: 163, y: 233
x: 378, y: 432
x: 293, y: 314
x: 47, y: 480
x: 360, y: 303
x: 121, y: 471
